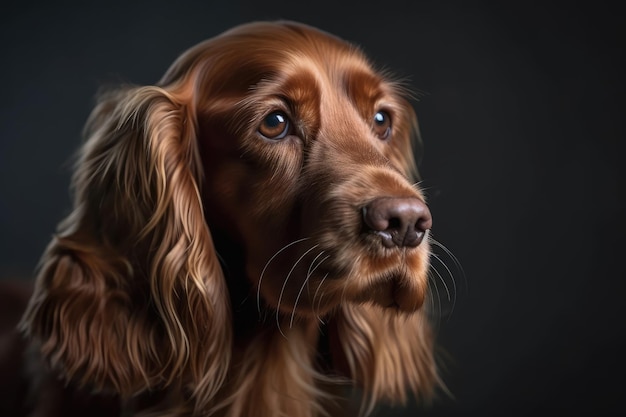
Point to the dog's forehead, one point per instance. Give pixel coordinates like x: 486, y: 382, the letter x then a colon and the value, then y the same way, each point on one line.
x: 249, y: 53
x: 293, y: 46
x: 291, y: 53
x: 287, y: 35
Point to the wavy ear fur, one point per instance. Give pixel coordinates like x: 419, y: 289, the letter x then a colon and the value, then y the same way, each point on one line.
x: 130, y: 295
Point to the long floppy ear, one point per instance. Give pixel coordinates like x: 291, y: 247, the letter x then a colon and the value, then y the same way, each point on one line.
x: 130, y: 295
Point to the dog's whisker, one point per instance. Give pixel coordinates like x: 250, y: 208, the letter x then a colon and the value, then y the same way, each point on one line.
x: 457, y: 265
x: 311, y: 268
x: 455, y: 260
x: 305, y: 284
x: 295, y: 304
x: 452, y: 299
x: 448, y: 252
x: 431, y: 299
x: 258, y: 292
x: 437, y: 304
x: 443, y: 281
x: 282, y: 290
x: 319, y: 303
x: 321, y: 261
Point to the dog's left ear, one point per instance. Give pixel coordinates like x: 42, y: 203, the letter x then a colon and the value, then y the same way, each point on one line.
x: 130, y: 294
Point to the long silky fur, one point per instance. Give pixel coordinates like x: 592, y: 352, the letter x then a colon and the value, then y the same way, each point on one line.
x: 131, y: 277
x: 389, y: 354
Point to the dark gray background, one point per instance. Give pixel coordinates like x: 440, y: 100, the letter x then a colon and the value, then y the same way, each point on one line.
x: 523, y: 122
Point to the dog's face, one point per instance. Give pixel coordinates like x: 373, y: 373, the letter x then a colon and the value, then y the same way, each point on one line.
x: 297, y: 135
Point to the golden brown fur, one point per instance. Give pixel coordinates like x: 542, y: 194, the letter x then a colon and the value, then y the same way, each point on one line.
x: 202, y: 261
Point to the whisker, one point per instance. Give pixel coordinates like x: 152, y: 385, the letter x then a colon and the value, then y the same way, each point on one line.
x: 457, y: 265
x: 306, y: 281
x: 258, y: 292
x: 456, y: 261
x: 310, y: 271
x: 311, y: 268
x: 453, y: 299
x: 441, y: 278
x: 282, y: 290
x: 431, y: 293
x: 319, y: 304
x: 295, y: 305
x: 417, y: 184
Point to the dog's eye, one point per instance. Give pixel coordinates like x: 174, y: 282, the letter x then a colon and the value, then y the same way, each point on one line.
x: 382, y: 125
x: 274, y: 126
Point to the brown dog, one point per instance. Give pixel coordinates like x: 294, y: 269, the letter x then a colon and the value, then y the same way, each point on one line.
x: 246, y: 234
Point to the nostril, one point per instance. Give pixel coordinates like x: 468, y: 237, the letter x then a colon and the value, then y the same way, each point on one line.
x: 401, y: 222
x: 394, y: 223
x: 424, y: 223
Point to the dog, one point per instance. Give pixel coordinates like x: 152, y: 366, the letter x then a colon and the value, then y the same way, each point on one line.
x: 247, y: 238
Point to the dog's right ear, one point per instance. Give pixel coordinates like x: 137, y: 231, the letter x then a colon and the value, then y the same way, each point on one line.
x: 130, y: 294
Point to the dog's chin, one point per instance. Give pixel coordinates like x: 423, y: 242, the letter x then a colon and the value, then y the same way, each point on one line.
x: 393, y: 293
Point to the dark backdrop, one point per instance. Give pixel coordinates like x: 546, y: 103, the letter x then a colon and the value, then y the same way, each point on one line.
x: 522, y: 115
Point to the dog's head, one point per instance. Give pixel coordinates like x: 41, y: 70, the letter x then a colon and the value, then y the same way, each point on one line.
x: 300, y: 140
x: 286, y: 143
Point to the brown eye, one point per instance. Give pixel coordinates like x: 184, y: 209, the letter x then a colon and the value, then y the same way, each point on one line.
x: 274, y: 126
x: 382, y: 125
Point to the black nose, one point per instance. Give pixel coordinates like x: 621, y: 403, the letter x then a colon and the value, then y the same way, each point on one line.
x: 401, y: 222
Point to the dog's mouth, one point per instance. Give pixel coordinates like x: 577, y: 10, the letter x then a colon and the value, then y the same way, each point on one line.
x: 306, y: 278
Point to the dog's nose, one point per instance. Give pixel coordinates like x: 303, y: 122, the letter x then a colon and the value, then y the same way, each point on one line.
x: 401, y: 222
